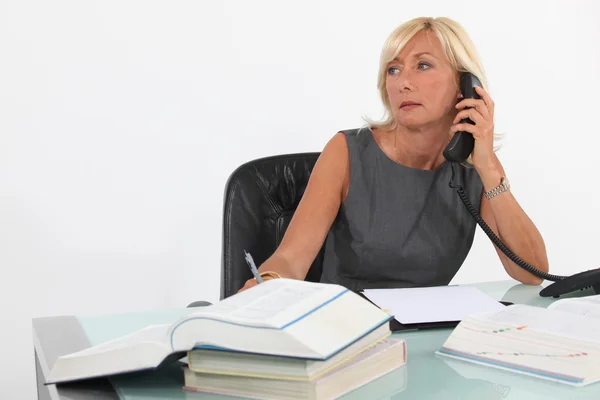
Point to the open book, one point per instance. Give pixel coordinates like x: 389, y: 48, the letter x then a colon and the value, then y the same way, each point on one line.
x: 280, y: 317
x: 559, y: 343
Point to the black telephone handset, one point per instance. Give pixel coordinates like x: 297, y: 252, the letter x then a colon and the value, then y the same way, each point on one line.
x: 462, y: 143
x: 458, y: 150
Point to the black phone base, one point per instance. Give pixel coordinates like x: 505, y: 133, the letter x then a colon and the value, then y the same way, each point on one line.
x: 561, y: 285
x: 581, y: 281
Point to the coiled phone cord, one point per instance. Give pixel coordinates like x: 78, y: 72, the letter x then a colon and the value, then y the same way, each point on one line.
x: 528, y: 267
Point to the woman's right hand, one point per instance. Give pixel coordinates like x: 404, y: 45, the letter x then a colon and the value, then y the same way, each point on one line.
x: 249, y: 283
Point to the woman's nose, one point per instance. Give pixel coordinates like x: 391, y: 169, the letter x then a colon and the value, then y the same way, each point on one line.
x: 404, y: 81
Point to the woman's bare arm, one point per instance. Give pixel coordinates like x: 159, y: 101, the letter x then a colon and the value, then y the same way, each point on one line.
x: 306, y: 233
x: 514, y: 228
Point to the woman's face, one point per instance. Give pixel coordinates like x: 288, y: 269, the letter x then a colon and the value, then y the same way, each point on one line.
x: 421, y: 85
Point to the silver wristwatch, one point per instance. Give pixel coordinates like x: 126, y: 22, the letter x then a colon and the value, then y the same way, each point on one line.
x: 502, y: 187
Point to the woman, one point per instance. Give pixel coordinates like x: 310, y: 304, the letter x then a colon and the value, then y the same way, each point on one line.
x: 379, y: 196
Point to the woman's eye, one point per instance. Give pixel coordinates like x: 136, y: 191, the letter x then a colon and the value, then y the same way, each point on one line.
x: 424, y: 65
x: 393, y: 70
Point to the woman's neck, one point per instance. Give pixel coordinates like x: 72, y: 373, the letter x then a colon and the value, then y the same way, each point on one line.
x: 421, y: 148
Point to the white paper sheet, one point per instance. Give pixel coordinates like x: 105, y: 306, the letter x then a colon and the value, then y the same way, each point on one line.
x: 432, y: 304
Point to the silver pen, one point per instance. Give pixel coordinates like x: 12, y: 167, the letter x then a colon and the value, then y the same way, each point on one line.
x: 252, y: 266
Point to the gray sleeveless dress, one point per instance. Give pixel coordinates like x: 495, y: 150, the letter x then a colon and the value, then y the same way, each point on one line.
x: 399, y: 226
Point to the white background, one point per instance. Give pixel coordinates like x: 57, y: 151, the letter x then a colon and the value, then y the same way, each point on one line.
x: 121, y: 120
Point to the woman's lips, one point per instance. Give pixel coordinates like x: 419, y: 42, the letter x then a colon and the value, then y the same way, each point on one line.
x: 409, y: 106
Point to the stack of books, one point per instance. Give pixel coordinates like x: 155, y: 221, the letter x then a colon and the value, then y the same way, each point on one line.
x: 340, y: 343
x: 281, y: 377
x: 281, y: 339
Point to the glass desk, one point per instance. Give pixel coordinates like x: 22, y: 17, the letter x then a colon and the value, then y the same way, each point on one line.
x: 425, y: 376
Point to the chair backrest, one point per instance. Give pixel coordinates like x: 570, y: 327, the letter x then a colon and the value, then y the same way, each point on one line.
x: 260, y: 199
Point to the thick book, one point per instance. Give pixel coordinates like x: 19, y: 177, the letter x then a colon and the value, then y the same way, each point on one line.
x: 385, y: 359
x: 285, y: 368
x: 281, y: 317
x: 560, y: 343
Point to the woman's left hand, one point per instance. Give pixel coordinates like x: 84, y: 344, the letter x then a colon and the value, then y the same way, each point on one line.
x: 480, y: 111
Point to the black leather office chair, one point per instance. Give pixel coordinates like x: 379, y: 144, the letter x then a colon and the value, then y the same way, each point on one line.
x: 260, y: 198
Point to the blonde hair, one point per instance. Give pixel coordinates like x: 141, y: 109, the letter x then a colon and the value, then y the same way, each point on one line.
x: 456, y: 45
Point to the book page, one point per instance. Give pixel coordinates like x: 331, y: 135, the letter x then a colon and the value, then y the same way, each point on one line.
x: 558, y: 323
x: 271, y: 300
x: 523, y: 348
x: 279, y: 301
x: 587, y: 306
x: 151, y: 334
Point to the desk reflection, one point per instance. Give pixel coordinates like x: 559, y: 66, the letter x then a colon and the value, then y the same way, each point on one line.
x: 425, y: 376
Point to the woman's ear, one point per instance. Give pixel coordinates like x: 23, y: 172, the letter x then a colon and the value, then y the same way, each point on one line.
x: 457, y: 86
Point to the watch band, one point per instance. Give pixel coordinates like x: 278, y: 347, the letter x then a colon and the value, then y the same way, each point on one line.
x: 502, y: 187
